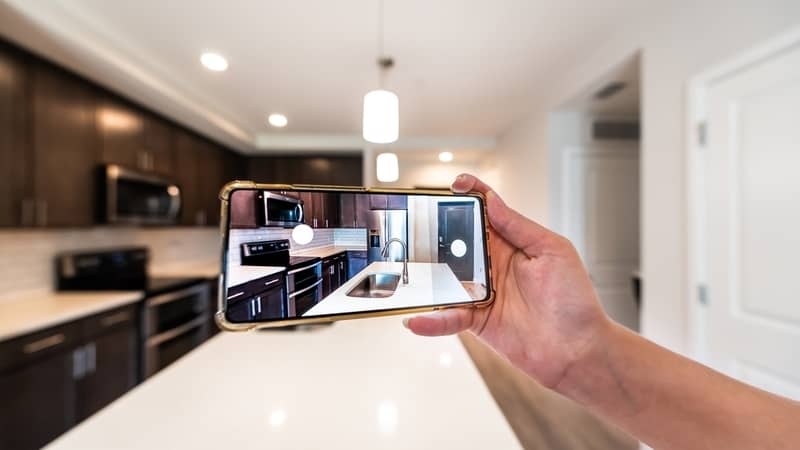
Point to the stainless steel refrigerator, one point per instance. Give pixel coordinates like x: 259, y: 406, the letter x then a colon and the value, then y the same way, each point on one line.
x: 385, y: 225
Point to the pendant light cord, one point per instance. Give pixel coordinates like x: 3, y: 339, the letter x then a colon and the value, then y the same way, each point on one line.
x: 383, y: 63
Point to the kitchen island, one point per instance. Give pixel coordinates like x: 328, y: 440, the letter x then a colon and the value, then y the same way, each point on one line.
x: 428, y: 283
x: 355, y: 384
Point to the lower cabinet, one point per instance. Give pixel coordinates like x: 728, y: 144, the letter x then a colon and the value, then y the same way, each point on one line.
x: 334, y: 273
x: 52, y: 379
x: 356, y: 262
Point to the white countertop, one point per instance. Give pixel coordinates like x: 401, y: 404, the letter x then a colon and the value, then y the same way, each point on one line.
x: 428, y: 284
x: 242, y: 274
x: 324, y: 252
x: 33, y: 311
x: 353, y: 385
x: 208, y: 269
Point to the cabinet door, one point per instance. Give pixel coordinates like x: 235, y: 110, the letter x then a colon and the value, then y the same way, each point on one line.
x: 38, y: 402
x: 328, y: 271
x: 378, y: 201
x: 120, y: 130
x: 343, y: 270
x: 243, y: 209
x: 158, y: 145
x: 64, y: 148
x: 16, y: 208
x: 187, y: 172
x: 347, y: 210
x: 331, y: 210
x: 397, y: 202
x: 308, y: 208
x: 362, y: 210
x: 356, y: 262
x: 213, y: 176
x: 318, y: 212
x: 110, y: 370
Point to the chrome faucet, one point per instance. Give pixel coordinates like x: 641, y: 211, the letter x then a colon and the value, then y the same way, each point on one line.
x: 385, y: 254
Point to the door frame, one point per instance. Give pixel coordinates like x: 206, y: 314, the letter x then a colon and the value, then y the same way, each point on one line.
x: 696, y: 116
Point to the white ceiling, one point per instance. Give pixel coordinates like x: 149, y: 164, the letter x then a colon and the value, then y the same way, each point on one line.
x: 465, y: 69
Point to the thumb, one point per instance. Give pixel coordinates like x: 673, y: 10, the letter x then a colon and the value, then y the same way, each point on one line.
x: 441, y: 323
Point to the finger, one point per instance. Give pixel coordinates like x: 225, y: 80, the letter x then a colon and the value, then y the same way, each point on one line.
x: 518, y: 230
x: 442, y: 323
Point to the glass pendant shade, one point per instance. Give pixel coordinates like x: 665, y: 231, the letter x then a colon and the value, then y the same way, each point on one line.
x: 387, y: 168
x: 381, y: 117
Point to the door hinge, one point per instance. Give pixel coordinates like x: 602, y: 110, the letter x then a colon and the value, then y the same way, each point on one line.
x: 702, y: 294
x: 702, y: 134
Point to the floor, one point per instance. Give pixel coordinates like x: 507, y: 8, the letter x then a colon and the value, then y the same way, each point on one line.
x: 541, y: 418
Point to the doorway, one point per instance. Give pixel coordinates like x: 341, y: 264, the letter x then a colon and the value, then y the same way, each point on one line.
x: 594, y: 149
x: 456, y: 238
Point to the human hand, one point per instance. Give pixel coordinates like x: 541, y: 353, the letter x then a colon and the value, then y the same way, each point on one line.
x: 545, y: 314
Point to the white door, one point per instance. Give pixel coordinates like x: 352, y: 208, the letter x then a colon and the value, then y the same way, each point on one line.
x: 601, y: 217
x: 751, y: 216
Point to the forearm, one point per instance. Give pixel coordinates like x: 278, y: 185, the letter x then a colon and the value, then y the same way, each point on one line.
x: 671, y: 402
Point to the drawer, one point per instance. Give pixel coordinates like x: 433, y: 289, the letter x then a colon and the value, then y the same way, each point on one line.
x: 357, y: 254
x: 110, y: 320
x: 264, y: 284
x: 30, y: 347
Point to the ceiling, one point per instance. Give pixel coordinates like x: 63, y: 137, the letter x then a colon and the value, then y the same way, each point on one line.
x: 466, y: 70
x: 624, y: 103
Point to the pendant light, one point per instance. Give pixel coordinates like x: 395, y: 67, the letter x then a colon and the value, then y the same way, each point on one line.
x: 381, y: 114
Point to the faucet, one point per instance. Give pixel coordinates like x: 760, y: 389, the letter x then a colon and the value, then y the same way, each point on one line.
x: 385, y: 254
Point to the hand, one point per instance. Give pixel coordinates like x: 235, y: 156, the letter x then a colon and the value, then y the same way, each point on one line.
x: 545, y: 315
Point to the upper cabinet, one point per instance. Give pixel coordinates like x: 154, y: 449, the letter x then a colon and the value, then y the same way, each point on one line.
x: 133, y: 138
x: 64, y: 149
x: 388, y: 201
x: 14, y: 138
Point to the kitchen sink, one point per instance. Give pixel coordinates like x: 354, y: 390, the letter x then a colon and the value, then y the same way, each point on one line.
x: 376, y: 285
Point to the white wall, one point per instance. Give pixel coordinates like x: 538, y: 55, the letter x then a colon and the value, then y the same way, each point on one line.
x: 675, y: 45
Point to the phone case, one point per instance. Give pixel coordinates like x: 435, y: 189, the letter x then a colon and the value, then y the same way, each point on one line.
x: 224, y: 197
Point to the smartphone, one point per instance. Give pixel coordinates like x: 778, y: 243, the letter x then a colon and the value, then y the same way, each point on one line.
x: 299, y: 254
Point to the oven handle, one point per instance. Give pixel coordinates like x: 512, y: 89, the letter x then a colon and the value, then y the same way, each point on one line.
x: 175, y: 332
x: 295, y: 294
x: 304, y: 268
x: 199, y: 288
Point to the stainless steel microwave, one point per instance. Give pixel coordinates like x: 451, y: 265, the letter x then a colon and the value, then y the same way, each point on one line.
x: 277, y: 210
x: 131, y: 197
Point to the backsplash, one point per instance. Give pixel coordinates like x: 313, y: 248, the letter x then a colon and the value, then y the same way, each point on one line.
x: 322, y: 238
x: 26, y: 256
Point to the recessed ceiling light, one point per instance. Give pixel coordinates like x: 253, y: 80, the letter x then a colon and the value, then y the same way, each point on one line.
x: 277, y: 120
x: 445, y: 157
x: 214, y: 61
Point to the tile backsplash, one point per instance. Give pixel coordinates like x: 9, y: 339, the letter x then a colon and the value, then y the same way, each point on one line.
x: 26, y: 256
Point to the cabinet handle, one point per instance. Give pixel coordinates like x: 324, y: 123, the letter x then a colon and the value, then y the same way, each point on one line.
x: 114, y: 319
x: 41, y: 213
x: 78, y: 363
x: 326, y: 223
x: 91, y: 358
x: 42, y: 344
x: 272, y: 282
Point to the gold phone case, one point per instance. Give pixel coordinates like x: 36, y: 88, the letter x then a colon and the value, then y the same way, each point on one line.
x: 225, y: 195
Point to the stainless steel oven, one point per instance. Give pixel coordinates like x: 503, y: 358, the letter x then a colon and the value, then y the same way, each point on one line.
x: 131, y: 197
x: 275, y: 210
x: 172, y: 324
x: 304, y: 288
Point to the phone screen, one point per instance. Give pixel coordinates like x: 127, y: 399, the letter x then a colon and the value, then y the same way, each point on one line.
x: 297, y: 254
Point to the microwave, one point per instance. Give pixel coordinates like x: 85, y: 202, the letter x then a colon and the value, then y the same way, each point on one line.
x: 276, y: 210
x: 131, y: 197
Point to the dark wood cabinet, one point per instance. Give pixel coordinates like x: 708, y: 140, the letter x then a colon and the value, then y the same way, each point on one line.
x: 388, y: 201
x: 243, y: 209
x: 52, y: 379
x: 356, y: 262
x: 158, y: 145
x: 335, y: 272
x: 311, y: 169
x: 64, y: 148
x: 15, y: 208
x: 354, y: 210
x: 120, y: 130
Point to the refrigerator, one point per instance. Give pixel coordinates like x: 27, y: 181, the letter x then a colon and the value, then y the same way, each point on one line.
x: 383, y: 226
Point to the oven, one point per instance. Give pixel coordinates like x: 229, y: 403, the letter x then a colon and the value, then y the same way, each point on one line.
x: 173, y: 323
x: 275, y: 210
x: 131, y: 197
x: 304, y: 288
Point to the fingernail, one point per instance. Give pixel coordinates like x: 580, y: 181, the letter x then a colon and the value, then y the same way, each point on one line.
x: 405, y: 321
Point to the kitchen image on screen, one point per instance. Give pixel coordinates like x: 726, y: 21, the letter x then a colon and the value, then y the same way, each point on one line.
x: 298, y: 254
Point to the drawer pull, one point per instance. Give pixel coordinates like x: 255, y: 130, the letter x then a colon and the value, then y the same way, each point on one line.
x: 272, y: 282
x: 42, y: 344
x: 115, y: 319
x: 238, y: 294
